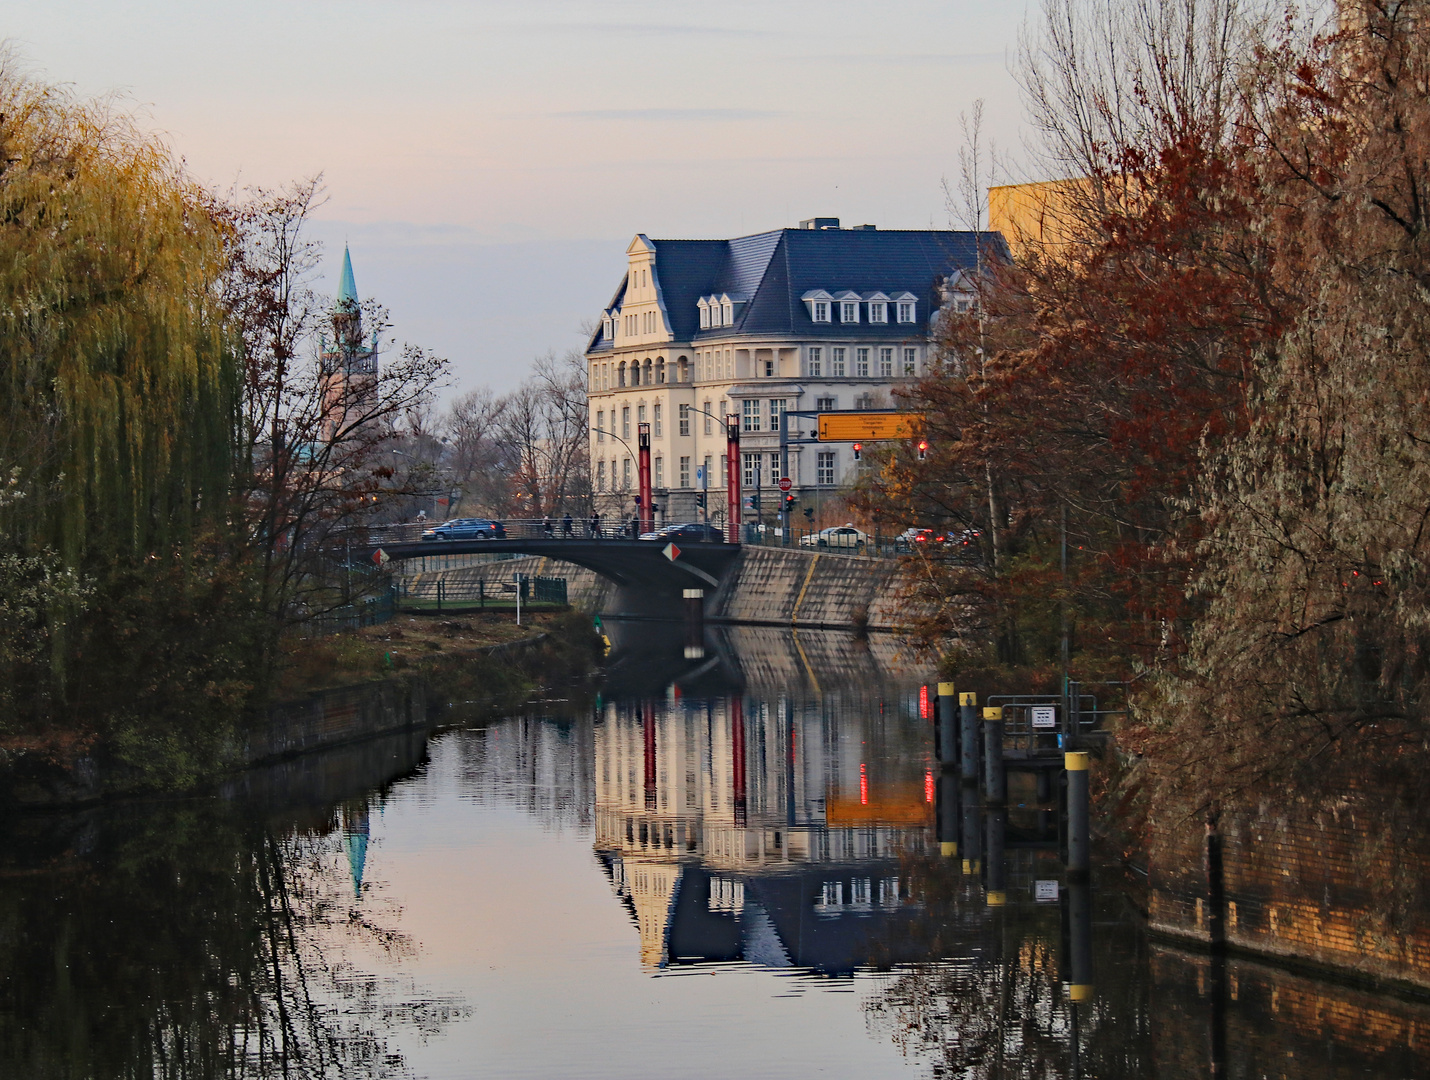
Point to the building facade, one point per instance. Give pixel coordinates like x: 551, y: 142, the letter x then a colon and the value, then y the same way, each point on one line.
x: 814, y: 318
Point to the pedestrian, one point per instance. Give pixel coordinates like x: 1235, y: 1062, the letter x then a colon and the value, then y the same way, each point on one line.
x: 595, y: 525
x: 546, y: 526
x: 566, y: 526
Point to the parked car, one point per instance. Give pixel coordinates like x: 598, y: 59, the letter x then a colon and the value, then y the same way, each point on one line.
x: 466, y: 529
x: 846, y: 537
x: 694, y: 532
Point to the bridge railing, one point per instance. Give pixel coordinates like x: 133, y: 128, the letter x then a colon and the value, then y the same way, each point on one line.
x: 442, y: 594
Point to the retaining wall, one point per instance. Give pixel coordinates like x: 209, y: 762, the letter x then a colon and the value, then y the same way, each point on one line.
x: 1339, y: 881
x: 790, y: 587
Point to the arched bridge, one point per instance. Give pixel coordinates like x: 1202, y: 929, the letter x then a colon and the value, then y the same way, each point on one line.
x: 648, y: 579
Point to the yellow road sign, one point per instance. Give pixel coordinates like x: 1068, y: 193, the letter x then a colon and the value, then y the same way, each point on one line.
x: 867, y: 426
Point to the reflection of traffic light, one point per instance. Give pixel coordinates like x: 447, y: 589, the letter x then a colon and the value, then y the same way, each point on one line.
x: 923, y: 449
x: 858, y: 447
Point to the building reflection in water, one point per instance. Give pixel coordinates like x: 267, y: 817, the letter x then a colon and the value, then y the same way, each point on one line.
x: 770, y: 831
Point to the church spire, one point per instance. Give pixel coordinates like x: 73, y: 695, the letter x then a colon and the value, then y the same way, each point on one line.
x: 347, y: 287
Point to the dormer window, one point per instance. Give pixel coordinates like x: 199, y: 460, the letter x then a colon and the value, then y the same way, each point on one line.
x: 905, y: 307
x: 878, y: 307
x: 848, y: 302
x: 704, y: 306
x: 819, y: 304
x: 727, y: 314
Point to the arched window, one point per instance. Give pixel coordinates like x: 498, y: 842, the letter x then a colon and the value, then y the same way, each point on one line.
x: 660, y: 371
x: 621, y: 374
x: 647, y: 380
x: 682, y: 369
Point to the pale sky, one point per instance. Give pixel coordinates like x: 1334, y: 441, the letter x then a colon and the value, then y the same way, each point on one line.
x: 489, y: 162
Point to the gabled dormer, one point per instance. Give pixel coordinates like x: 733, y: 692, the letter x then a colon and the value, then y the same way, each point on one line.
x: 877, y: 306
x: 643, y: 318
x: 846, y: 305
x: 906, y: 308
x: 819, y: 304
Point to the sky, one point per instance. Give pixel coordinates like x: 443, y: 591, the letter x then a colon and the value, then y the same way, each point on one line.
x: 489, y: 162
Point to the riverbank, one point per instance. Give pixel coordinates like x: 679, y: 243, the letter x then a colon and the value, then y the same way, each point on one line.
x: 398, y: 677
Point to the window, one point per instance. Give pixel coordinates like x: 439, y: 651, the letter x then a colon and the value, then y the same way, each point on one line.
x: 660, y: 370
x: 824, y: 471
x: 685, y: 472
x: 878, y: 311
x: 704, y: 314
x: 727, y: 312
x: 705, y: 476
x: 659, y: 471
x: 725, y: 409
x: 621, y: 372
x: 601, y: 475
x: 769, y: 369
x: 777, y: 408
x: 906, y: 311
x: 816, y: 361
x: 886, y: 362
x: 626, y: 422
x: 911, y: 361
x: 821, y: 311
x: 659, y: 426
x: 708, y: 420
x: 861, y: 362
x: 600, y: 427
x: 775, y: 473
x: 724, y: 470
x: 849, y: 311
x: 826, y: 404
x: 626, y: 475
x: 864, y: 401
x: 684, y: 421
x: 962, y: 307
x: 836, y: 361
x: 752, y: 416
x: 754, y: 474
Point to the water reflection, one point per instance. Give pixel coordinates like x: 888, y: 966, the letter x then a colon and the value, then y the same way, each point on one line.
x: 767, y: 831
x: 208, y: 938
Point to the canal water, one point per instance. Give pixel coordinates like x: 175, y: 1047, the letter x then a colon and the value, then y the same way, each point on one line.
x: 725, y: 866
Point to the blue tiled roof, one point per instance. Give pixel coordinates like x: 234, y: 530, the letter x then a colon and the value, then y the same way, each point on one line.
x: 773, y: 270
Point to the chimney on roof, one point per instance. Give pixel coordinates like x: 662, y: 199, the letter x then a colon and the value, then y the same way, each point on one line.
x: 820, y: 223
x: 864, y: 228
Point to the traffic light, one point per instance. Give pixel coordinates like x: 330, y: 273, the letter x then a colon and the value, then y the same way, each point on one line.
x: 755, y: 501
x: 700, y: 499
x: 809, y: 512
x: 923, y: 449
x: 858, y: 448
x: 789, y: 503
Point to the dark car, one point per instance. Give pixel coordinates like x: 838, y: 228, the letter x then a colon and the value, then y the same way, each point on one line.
x: 694, y: 532
x: 466, y: 529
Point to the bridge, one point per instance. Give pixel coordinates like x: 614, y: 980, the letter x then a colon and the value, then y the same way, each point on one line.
x: 651, y: 576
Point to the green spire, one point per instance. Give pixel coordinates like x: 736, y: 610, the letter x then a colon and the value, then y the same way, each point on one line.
x: 347, y: 288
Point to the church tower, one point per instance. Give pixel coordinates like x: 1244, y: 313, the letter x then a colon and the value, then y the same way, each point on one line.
x: 348, y: 365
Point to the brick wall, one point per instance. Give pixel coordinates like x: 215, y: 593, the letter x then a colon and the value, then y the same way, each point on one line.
x: 1340, y: 881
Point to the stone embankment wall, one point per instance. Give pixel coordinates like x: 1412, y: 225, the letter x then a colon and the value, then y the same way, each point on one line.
x: 333, y: 717
x: 790, y: 587
x: 1340, y: 882
x: 585, y: 589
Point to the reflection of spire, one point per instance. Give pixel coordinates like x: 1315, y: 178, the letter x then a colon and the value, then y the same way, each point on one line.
x: 355, y: 834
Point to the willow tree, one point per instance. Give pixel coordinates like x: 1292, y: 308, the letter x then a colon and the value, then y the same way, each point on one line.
x: 119, y: 381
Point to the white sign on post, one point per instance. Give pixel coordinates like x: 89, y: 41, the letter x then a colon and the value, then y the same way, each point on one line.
x: 1045, y: 716
x: 1045, y: 891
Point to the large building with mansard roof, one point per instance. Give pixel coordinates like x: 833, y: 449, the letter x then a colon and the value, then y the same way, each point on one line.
x: 818, y: 317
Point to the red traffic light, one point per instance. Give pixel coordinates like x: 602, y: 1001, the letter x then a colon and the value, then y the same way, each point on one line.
x: 857, y: 448
x: 923, y: 449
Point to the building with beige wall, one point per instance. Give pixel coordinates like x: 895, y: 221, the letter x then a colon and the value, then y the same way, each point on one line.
x: 819, y: 317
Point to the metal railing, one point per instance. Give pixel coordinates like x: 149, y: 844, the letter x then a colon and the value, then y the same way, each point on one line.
x: 443, y: 595
x: 873, y: 544
x: 369, y: 611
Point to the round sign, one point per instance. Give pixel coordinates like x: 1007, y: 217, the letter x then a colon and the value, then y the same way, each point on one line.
x: 786, y: 483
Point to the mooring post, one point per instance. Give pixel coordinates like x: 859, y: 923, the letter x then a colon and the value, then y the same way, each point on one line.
x: 1079, y: 814
x: 948, y: 817
x: 995, y: 784
x: 694, y: 624
x: 947, y: 725
x: 994, y: 856
x: 968, y: 727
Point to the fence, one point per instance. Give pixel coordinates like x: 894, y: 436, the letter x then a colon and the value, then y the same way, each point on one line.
x: 370, y: 611
x: 442, y: 595
x: 873, y: 544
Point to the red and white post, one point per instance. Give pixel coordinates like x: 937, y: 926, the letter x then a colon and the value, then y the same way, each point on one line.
x: 732, y: 477
x: 647, y: 507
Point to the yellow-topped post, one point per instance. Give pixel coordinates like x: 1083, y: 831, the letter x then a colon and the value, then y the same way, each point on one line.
x: 947, y: 725
x: 995, y: 783
x: 968, y: 729
x: 1079, y: 813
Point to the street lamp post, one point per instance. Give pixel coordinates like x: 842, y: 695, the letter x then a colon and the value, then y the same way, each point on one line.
x: 731, y: 424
